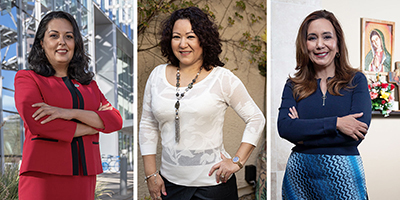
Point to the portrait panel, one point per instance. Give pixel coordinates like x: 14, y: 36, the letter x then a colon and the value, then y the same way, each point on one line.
x: 377, y: 45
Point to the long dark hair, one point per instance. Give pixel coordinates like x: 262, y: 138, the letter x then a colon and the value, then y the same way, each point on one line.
x: 78, y: 68
x: 203, y: 27
x: 304, y: 80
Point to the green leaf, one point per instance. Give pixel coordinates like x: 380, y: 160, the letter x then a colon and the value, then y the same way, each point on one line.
x: 231, y: 21
x: 238, y: 15
x: 240, y: 4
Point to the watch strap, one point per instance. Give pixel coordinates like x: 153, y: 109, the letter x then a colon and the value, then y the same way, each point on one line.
x: 238, y: 162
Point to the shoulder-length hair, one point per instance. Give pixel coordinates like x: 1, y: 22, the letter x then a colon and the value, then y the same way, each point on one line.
x: 78, y: 68
x: 304, y: 81
x: 204, y: 28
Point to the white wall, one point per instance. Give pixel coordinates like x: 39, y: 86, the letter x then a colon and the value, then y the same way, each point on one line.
x: 286, y: 17
x: 380, y: 149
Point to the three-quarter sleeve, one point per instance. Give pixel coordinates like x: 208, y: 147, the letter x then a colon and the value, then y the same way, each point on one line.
x: 148, y: 128
x: 27, y: 93
x: 239, y: 99
x: 111, y: 119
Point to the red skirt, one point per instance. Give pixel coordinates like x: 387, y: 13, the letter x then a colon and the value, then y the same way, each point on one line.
x: 42, y: 186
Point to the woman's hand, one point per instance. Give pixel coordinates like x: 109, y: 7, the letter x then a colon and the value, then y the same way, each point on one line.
x: 376, y: 62
x: 225, y: 169
x: 350, y: 126
x: 83, y: 129
x: 50, y: 111
x: 293, y: 113
x: 155, y: 184
x: 105, y: 107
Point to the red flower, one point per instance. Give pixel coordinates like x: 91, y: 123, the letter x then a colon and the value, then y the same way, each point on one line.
x: 385, y: 85
x: 383, y: 101
x: 369, y: 87
x: 391, y: 87
x: 376, y: 84
x: 373, y: 95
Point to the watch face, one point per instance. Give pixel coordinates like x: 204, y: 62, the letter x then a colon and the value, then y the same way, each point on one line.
x: 235, y: 159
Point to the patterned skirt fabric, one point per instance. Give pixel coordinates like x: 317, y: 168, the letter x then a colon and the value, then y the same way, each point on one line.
x: 315, y: 176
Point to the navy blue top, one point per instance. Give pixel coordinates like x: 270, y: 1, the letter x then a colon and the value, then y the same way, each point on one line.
x: 316, y: 125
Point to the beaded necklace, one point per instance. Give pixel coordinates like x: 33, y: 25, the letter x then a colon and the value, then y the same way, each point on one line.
x: 179, y: 97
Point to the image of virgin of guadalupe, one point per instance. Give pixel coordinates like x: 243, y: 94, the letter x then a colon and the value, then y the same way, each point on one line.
x: 378, y: 58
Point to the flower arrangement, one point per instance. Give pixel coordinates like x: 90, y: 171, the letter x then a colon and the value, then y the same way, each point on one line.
x: 381, y: 96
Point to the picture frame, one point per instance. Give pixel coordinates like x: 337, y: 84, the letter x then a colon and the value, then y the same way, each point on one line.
x: 377, y: 46
x: 394, y: 77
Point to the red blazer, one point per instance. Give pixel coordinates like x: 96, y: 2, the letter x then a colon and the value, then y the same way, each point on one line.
x: 51, y: 147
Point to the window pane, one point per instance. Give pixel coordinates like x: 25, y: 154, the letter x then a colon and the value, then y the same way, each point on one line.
x: 125, y: 80
x: 84, y: 21
x: 48, y: 4
x: 8, y: 101
x: 61, y: 5
x: 12, y: 134
x: 29, y: 6
x: 8, y: 78
x: 73, y: 9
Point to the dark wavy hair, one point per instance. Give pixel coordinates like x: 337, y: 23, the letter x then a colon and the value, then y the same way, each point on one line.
x: 304, y: 79
x: 204, y: 28
x: 78, y: 68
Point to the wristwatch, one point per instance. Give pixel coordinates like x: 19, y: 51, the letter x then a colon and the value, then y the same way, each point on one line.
x: 236, y: 160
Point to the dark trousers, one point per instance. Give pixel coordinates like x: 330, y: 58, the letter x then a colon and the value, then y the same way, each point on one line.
x: 223, y: 191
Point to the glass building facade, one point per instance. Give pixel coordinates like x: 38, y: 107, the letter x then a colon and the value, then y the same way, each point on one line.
x: 18, y: 22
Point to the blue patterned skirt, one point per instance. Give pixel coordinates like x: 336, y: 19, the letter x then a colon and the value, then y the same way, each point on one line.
x: 319, y: 176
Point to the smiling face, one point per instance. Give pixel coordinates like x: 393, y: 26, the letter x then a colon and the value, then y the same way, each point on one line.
x: 58, y: 43
x: 322, y: 43
x: 186, y: 45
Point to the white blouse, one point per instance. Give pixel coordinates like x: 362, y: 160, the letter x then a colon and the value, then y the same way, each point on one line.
x: 201, y: 115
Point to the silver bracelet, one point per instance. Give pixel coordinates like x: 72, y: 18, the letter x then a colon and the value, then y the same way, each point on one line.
x: 149, y: 176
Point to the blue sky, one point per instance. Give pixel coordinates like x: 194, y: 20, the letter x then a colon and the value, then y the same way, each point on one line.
x: 8, y: 76
x: 5, y: 20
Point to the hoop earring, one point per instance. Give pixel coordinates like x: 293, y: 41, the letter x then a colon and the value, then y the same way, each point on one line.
x: 337, y: 55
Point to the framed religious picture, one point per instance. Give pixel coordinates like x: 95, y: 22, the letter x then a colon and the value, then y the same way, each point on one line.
x: 394, y: 77
x: 377, y: 45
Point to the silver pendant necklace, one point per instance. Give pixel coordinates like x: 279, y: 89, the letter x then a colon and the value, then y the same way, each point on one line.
x: 178, y: 98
